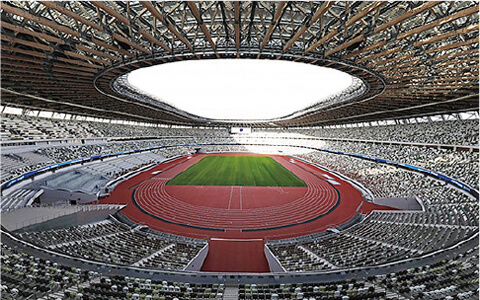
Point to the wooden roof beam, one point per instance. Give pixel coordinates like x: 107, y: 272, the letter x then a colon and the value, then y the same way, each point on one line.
x: 46, y: 22
x: 40, y: 67
x: 357, y: 39
x: 35, y: 45
x: 457, y: 54
x: 51, y: 49
x: 278, y: 13
x: 364, y: 12
x: 408, y: 64
x: 196, y: 13
x: 55, y: 82
x: 124, y: 20
x: 71, y: 14
x: 365, y: 49
x: 236, y: 8
x: 446, y: 35
x: 19, y: 29
x: 131, y: 44
x: 386, y: 61
x: 348, y: 23
x: 463, y: 13
x: 80, y: 56
x: 411, y: 13
x: 45, y: 56
x: 59, y: 81
x: 454, y: 45
x: 378, y: 55
x: 318, y: 14
x: 30, y: 71
x: 98, y: 53
x: 437, y: 38
x: 401, y: 18
x: 88, y: 108
x: 81, y: 19
x: 154, y: 11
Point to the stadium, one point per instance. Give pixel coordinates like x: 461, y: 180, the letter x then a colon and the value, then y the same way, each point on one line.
x: 239, y: 150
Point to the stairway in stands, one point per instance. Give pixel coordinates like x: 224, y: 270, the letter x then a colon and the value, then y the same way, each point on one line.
x: 230, y: 292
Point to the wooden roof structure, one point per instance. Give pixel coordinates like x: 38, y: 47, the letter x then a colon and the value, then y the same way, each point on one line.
x: 415, y: 58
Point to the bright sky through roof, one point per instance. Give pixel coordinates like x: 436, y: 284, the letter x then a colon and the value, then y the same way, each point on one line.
x: 239, y: 88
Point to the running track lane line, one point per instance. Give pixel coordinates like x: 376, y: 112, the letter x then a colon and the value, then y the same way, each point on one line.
x: 171, y: 222
x: 230, y: 200
x: 243, y: 230
x: 299, y: 223
x: 240, y: 197
x: 177, y: 205
x: 166, y: 205
x: 216, y: 212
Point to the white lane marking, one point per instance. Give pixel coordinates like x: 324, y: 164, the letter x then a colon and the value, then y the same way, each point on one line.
x: 240, y: 197
x: 230, y: 201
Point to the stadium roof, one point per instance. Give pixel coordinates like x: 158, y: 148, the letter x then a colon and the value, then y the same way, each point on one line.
x: 409, y: 58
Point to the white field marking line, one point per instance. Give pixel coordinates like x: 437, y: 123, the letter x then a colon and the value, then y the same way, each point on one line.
x: 230, y: 201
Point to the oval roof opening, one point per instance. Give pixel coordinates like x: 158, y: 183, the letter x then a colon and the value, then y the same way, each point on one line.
x: 239, y: 89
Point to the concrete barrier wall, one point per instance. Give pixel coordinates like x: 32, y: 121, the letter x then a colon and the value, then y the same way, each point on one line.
x: 273, y: 263
x: 197, y: 262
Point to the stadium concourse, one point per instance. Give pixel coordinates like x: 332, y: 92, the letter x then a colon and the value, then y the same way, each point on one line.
x: 365, y: 185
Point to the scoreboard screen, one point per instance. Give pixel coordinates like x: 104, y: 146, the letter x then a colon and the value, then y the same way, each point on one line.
x: 240, y: 130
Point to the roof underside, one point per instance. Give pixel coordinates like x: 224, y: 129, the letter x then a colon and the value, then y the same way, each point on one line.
x: 416, y: 58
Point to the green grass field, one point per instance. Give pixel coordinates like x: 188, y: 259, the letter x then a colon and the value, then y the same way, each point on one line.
x: 237, y: 170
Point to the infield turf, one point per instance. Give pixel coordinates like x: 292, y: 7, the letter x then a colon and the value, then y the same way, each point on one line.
x: 238, y: 171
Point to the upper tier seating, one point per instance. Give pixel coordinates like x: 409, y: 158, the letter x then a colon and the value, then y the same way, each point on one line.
x: 458, y: 132
x: 15, y: 127
x: 460, y: 165
x: 454, y: 132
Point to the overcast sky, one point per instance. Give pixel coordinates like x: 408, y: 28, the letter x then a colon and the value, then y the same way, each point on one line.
x: 239, y: 88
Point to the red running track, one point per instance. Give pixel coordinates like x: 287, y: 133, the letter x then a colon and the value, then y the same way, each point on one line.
x: 239, y: 212
x: 317, y: 199
x: 225, y: 255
